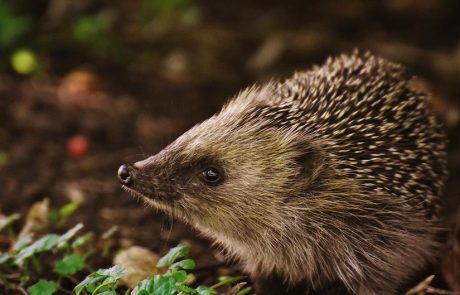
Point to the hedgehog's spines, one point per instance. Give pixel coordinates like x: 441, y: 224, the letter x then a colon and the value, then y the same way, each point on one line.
x: 363, y: 104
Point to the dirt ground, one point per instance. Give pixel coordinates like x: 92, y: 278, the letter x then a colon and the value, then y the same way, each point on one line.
x: 174, y: 77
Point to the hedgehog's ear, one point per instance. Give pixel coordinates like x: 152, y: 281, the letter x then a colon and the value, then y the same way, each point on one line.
x: 311, y: 162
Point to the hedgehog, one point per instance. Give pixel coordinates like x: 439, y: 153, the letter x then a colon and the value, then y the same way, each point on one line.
x: 329, y: 182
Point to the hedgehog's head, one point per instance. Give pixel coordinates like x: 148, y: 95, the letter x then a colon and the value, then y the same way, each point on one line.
x: 235, y: 170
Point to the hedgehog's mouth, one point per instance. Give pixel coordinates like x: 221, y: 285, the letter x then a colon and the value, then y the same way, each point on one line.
x: 157, y: 201
x: 138, y: 195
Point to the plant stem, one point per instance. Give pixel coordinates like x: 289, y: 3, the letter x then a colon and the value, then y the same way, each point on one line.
x: 36, y: 264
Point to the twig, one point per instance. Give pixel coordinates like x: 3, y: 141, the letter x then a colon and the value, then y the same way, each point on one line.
x: 421, y: 287
x: 21, y: 289
x: 424, y: 288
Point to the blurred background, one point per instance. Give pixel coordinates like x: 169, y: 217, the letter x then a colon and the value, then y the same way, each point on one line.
x: 87, y: 85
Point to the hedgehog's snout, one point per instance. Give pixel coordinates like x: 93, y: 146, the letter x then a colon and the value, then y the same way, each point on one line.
x: 126, y: 175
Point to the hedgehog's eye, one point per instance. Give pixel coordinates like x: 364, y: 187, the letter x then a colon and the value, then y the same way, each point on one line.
x: 212, y: 175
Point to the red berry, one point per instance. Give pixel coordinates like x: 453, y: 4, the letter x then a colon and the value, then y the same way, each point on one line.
x: 77, y: 146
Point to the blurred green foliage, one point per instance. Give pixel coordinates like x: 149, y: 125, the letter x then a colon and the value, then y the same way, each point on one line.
x: 30, y: 36
x: 182, y: 11
x: 28, y: 260
x: 12, y: 27
x: 90, y: 28
x: 94, y: 32
x: 3, y: 158
x: 43, y: 287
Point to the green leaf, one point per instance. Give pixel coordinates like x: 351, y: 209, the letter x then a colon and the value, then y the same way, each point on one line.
x: 69, y: 265
x: 175, y: 253
x: 176, y: 280
x: 23, y: 242
x: 44, y: 244
x: 43, y: 287
x: 185, y: 264
x: 5, y: 257
x: 203, y: 290
x: 68, y: 209
x: 186, y: 289
x: 80, y: 241
x: 7, y: 221
x: 145, y: 287
x: 227, y: 280
x: 102, y: 278
x: 115, y: 272
x: 68, y: 235
x: 164, y: 285
x: 178, y: 276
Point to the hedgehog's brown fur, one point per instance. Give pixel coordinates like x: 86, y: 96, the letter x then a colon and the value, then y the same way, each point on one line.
x: 331, y: 177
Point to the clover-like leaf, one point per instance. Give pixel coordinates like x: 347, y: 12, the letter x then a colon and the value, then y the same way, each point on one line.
x: 44, y: 244
x: 175, y: 253
x: 69, y: 265
x: 43, y: 287
x: 68, y: 235
x: 23, y: 242
x: 203, y: 290
x: 99, y: 279
x: 184, y: 264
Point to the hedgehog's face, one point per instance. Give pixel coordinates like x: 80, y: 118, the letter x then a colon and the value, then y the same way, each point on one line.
x: 223, y: 177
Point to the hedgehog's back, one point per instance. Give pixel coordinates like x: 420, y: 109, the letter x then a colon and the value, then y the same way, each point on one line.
x: 377, y: 127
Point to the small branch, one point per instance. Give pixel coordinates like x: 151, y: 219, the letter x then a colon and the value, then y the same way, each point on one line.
x: 421, y: 287
x: 424, y: 288
x: 21, y: 289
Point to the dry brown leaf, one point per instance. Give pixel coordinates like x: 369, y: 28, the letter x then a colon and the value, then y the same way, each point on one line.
x: 37, y: 219
x: 138, y: 262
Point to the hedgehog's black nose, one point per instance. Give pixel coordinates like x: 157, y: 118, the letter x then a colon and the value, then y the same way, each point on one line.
x: 124, y: 175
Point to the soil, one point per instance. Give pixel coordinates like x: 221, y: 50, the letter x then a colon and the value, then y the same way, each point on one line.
x: 132, y: 107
